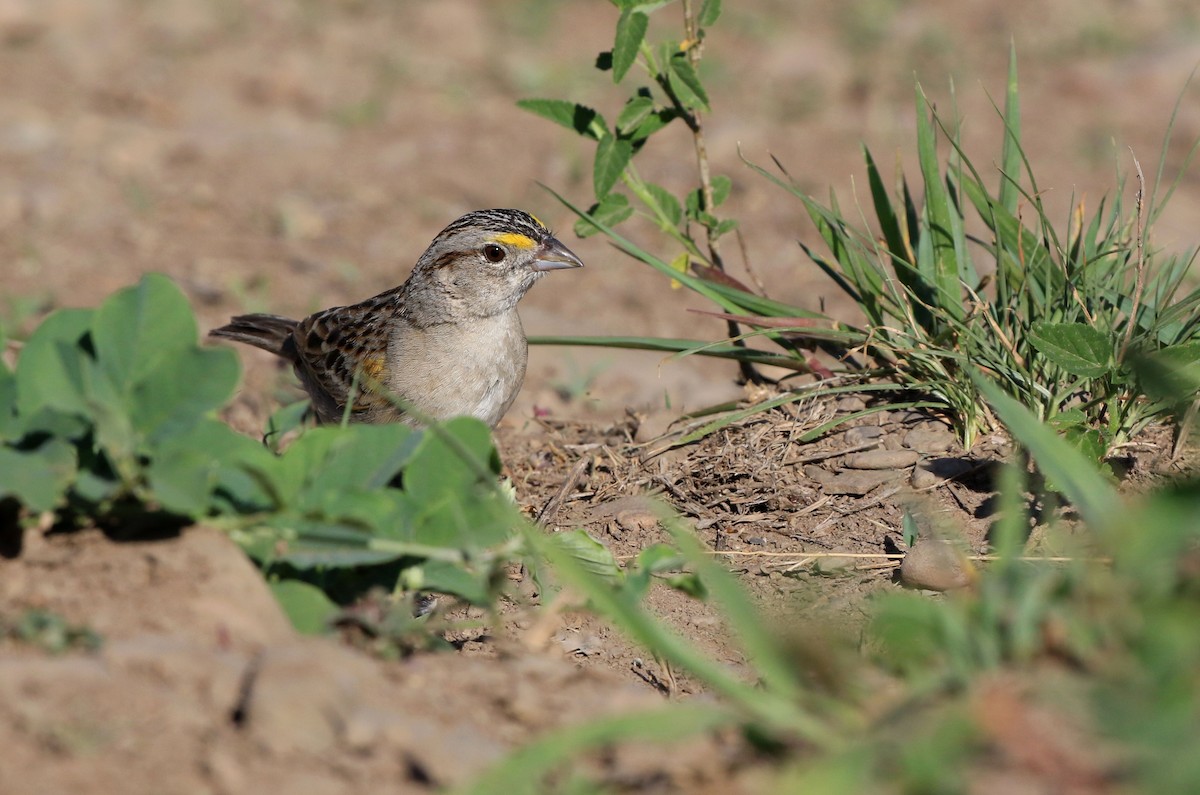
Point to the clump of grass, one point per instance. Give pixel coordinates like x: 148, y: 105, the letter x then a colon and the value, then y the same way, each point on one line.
x: 1062, y: 321
x: 1080, y: 324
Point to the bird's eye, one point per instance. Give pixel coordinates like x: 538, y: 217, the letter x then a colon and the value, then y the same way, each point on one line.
x: 493, y: 253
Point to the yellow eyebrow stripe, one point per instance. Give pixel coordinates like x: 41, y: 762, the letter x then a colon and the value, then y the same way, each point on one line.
x: 515, y: 239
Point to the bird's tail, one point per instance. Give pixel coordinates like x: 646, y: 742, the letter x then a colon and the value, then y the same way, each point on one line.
x: 270, y: 332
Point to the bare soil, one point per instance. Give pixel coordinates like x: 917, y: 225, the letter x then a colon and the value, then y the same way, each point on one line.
x: 285, y: 156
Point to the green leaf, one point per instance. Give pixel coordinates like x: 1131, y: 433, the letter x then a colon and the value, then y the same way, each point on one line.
x: 936, y: 257
x: 652, y: 124
x: 663, y: 204
x: 181, y: 390
x: 631, y: 31
x: 721, y: 185
x: 612, y: 156
x: 710, y: 10
x: 590, y: 555
x: 611, y: 210
x: 452, y: 458
x: 45, y: 377
x: 1010, y: 157
x: 141, y: 327
x: 455, y: 579
x: 306, y: 606
x: 636, y: 110
x: 188, y: 468
x: 1078, y: 348
x: 571, y: 115
x: 37, y: 478
x: 8, y: 403
x: 686, y: 83
x: 1170, y: 375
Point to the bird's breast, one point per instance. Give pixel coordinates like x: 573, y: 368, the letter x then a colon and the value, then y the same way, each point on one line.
x: 452, y: 369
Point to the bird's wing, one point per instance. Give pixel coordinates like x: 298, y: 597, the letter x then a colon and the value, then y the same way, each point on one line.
x: 342, y: 353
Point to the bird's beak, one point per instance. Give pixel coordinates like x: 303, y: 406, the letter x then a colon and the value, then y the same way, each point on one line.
x: 552, y: 255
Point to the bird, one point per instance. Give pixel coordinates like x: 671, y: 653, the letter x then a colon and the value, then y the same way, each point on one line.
x: 447, y: 342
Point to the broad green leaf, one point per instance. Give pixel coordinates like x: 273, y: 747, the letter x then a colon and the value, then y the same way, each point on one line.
x: 591, y: 556
x: 37, y: 478
x: 44, y: 376
x: 8, y: 403
x: 186, y: 469
x: 451, y: 459
x: 469, y: 519
x: 721, y: 186
x: 636, y: 110
x: 710, y: 11
x: 1078, y: 348
x: 306, y: 606
x: 137, y: 329
x: 182, y: 483
x: 456, y: 579
x: 1170, y: 375
x: 631, y: 31
x: 652, y: 124
x: 612, y: 210
x: 612, y: 156
x: 182, y: 389
x: 686, y: 83
x: 571, y: 115
x: 364, y: 457
x: 664, y: 205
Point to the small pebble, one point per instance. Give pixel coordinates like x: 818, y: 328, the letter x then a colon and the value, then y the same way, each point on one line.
x: 936, y: 565
x: 931, y: 473
x: 857, y: 482
x: 862, y: 434
x: 936, y: 439
x: 882, y: 459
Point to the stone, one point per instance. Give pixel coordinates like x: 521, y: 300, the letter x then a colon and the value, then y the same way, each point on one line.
x: 930, y: 439
x: 882, y: 459
x: 936, y: 565
x: 862, y: 434
x: 933, y: 473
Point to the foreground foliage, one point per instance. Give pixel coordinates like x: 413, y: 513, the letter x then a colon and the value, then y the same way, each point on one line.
x: 1113, y: 634
x: 108, y: 419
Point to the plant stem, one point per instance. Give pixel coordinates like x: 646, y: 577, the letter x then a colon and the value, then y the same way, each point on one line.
x: 1140, y: 284
x: 694, y: 44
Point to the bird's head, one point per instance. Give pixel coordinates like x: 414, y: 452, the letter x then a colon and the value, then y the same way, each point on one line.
x: 488, y: 259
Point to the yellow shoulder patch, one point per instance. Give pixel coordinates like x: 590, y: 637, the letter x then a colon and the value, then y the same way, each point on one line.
x: 372, y: 366
x: 515, y: 239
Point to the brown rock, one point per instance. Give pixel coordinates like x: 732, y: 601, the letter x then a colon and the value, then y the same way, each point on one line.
x: 857, y: 482
x: 882, y: 459
x: 936, y: 565
x: 930, y: 439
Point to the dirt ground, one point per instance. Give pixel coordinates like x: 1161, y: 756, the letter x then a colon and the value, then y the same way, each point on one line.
x: 284, y: 156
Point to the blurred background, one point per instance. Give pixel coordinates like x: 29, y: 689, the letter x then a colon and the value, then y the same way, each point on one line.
x: 288, y: 155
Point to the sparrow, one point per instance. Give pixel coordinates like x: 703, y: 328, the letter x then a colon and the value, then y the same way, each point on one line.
x: 447, y: 342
